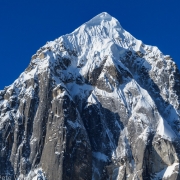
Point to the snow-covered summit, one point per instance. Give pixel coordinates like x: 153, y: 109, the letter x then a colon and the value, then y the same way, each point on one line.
x: 98, y: 45
x: 103, y: 17
x: 97, y: 92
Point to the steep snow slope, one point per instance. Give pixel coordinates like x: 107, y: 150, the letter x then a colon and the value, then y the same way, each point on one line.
x: 93, y: 104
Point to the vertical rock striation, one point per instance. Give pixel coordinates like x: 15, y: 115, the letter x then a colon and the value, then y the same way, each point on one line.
x: 95, y: 104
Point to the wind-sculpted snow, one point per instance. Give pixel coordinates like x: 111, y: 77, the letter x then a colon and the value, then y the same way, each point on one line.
x: 95, y: 104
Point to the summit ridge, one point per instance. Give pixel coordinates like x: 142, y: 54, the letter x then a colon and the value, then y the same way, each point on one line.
x: 94, y: 104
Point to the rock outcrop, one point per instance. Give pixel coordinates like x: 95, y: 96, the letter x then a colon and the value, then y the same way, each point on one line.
x: 95, y: 104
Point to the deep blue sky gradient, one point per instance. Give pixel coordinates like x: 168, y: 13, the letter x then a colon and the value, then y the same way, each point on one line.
x: 26, y: 25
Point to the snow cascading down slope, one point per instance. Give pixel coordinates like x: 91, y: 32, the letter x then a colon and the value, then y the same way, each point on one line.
x: 92, y: 105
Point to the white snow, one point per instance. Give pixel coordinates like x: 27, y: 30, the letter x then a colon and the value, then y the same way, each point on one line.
x: 144, y: 135
x: 100, y: 156
x: 101, y: 42
x: 165, y: 130
x: 35, y: 174
x: 167, y: 172
x: 171, y: 169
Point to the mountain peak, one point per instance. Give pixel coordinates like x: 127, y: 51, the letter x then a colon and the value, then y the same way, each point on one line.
x: 101, y: 18
x: 93, y: 104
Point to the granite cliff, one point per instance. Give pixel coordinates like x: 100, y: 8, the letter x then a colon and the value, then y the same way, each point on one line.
x: 95, y: 104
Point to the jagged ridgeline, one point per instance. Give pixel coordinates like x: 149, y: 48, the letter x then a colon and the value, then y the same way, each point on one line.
x: 96, y: 104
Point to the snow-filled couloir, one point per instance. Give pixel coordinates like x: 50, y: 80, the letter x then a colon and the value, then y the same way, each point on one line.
x: 94, y: 104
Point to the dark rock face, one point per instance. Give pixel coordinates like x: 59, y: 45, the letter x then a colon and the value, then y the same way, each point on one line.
x: 96, y: 104
x: 49, y: 131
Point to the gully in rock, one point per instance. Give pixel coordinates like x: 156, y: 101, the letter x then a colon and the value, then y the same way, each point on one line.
x: 94, y: 104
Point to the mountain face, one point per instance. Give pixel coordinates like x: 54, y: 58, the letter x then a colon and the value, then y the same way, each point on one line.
x: 96, y: 104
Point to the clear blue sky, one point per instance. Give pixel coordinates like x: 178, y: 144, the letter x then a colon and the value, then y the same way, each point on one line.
x: 26, y: 25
